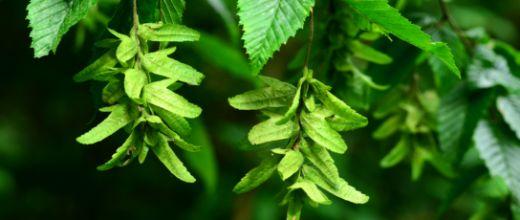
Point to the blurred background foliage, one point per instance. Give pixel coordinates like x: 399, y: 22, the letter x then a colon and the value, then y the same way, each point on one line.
x: 45, y: 174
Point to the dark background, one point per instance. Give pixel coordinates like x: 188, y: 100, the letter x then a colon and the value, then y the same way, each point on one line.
x: 45, y: 174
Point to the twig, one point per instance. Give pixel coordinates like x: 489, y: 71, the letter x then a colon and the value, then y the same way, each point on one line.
x: 311, y: 36
x: 446, y: 17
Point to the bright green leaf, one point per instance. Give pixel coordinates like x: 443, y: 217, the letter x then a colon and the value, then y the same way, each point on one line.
x: 290, y: 164
x: 257, y: 175
x: 167, y: 157
x: 340, y: 189
x: 167, y: 33
x: 269, y: 130
x: 164, y: 98
x: 135, y: 80
x: 319, y: 131
x: 268, y: 24
x: 118, y: 118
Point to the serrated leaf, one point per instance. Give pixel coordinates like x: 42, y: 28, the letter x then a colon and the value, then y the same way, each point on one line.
x: 157, y: 123
x: 262, y: 98
x: 257, y: 175
x: 51, y: 19
x: 312, y: 191
x: 160, y: 64
x: 290, y: 164
x: 500, y: 154
x: 269, y: 130
x: 117, y: 119
x: 172, y: 10
x: 98, y: 68
x: 164, y: 98
x: 120, y: 154
x: 387, y: 17
x: 167, y: 33
x: 167, y: 157
x: 135, y: 80
x: 174, y: 122
x: 321, y: 159
x: 335, y: 104
x: 269, y: 24
x: 398, y: 153
x: 509, y: 107
x: 319, y: 131
x: 277, y: 84
x: 488, y: 69
x: 340, y: 188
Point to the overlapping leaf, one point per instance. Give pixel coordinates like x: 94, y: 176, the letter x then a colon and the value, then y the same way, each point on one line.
x: 268, y: 24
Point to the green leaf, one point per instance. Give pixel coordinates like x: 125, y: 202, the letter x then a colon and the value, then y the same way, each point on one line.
x: 388, y: 127
x: 294, y: 209
x: 127, y: 49
x: 398, y: 153
x: 340, y: 188
x: 336, y: 105
x: 500, y: 154
x: 172, y: 11
x: 290, y: 164
x: 135, y: 80
x: 367, y: 80
x: 120, y: 154
x: 321, y: 159
x: 113, y: 91
x: 162, y: 97
x: 157, y: 123
x: 160, y: 64
x: 312, y: 191
x: 51, y: 19
x: 294, y: 104
x: 117, y: 119
x: 143, y: 153
x: 277, y: 84
x: 368, y: 53
x: 417, y: 164
x: 174, y: 122
x: 268, y: 24
x: 167, y: 32
x: 319, y: 131
x: 488, y: 69
x: 257, y: 175
x: 262, y: 98
x: 382, y: 14
x: 98, y: 69
x: 269, y: 130
x: 509, y: 107
x: 167, y: 157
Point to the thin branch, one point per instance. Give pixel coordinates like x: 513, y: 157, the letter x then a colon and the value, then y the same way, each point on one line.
x: 311, y: 36
x: 446, y: 17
